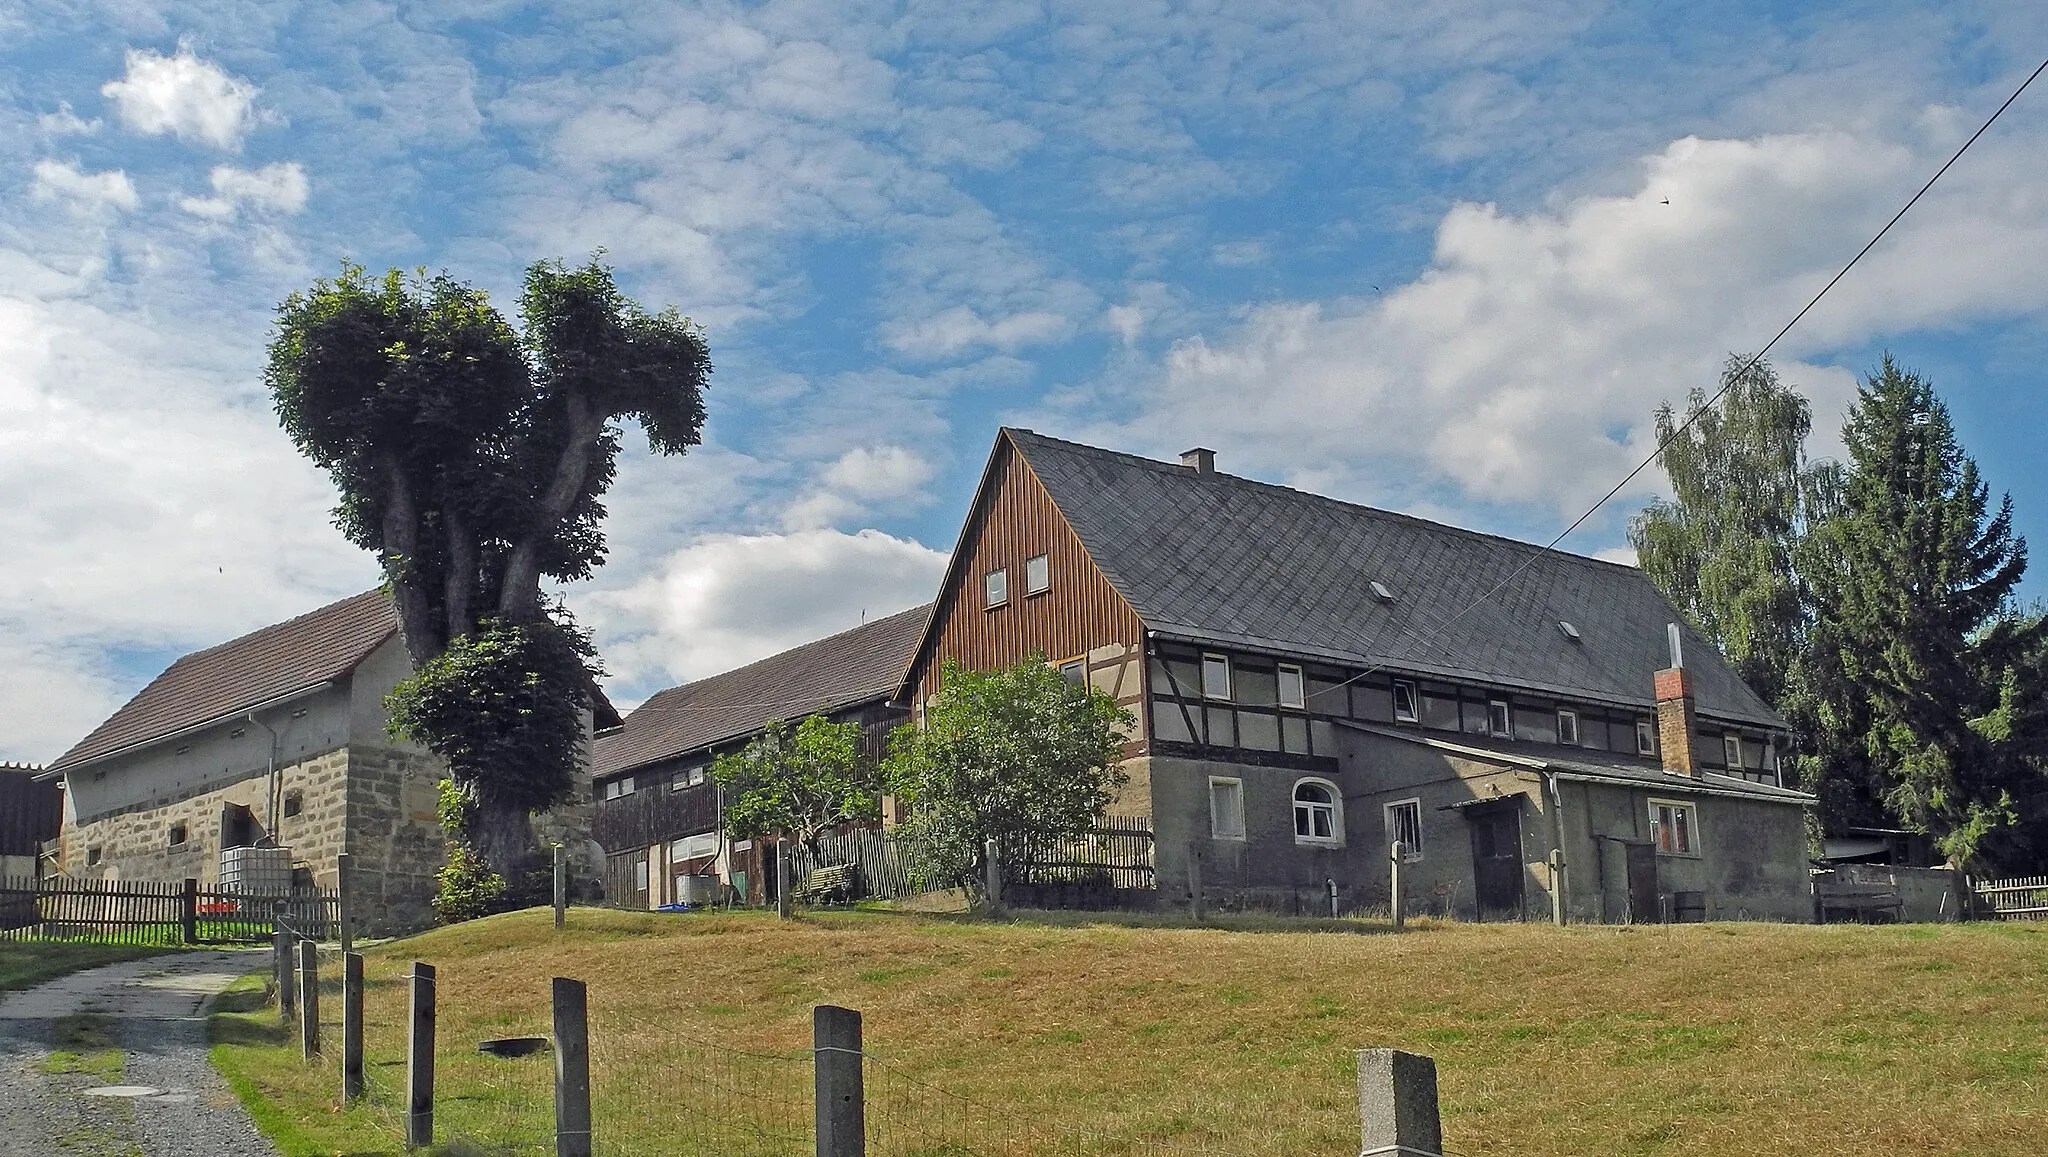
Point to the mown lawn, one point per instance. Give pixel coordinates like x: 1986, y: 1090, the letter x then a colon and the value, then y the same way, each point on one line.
x: 1074, y: 1035
x: 25, y: 964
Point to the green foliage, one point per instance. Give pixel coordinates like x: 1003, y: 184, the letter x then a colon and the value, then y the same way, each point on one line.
x: 466, y: 887
x: 1020, y: 756
x: 799, y: 783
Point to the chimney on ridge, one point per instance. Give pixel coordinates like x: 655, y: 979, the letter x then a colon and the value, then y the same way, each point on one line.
x: 1675, y: 723
x: 1201, y: 460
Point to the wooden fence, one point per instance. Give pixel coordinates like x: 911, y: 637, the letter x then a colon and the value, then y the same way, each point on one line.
x: 2021, y: 898
x: 158, y: 912
x: 1115, y: 853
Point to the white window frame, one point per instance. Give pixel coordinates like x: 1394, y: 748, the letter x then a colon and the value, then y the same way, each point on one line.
x: 1300, y: 700
x: 1207, y: 658
x: 1037, y: 575
x: 1563, y: 714
x: 1336, y: 809
x: 640, y: 874
x: 1409, y: 854
x: 1731, y: 750
x: 1220, y: 824
x: 1414, y: 712
x: 995, y: 588
x: 1646, y: 737
x: 1500, y: 719
x: 1691, y: 832
x: 1074, y: 671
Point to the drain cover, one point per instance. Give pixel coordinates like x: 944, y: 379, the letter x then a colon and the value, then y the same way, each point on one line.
x: 124, y: 1091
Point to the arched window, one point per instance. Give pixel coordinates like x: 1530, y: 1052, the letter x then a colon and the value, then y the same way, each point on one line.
x: 1318, y: 812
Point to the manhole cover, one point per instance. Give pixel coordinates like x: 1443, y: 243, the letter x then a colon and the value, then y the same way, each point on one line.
x: 124, y: 1091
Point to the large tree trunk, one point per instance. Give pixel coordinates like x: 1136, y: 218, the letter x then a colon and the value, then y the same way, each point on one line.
x: 502, y: 834
x: 416, y: 620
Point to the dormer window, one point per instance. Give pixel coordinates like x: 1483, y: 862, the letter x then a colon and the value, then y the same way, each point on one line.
x: 1646, y: 738
x: 1731, y: 750
x: 1499, y: 722
x: 1567, y: 727
x: 1293, y: 693
x: 995, y: 587
x: 1216, y: 677
x: 1404, y: 701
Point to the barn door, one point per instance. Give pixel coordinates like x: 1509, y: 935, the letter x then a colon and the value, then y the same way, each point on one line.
x: 1497, y: 861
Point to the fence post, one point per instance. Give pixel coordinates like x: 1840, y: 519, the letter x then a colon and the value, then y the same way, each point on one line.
x: 561, y: 886
x: 347, y: 931
x: 351, y: 1026
x: 1397, y: 897
x: 281, y: 964
x: 992, y: 876
x: 841, y: 1103
x: 1194, y: 882
x: 309, y: 999
x: 189, y: 915
x: 419, y: 1066
x: 572, y: 1068
x: 1397, y: 1110
x: 783, y: 886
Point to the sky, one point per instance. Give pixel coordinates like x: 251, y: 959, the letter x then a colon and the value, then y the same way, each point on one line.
x: 1442, y: 257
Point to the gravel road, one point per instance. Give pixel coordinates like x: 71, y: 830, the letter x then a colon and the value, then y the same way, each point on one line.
x: 168, y: 1101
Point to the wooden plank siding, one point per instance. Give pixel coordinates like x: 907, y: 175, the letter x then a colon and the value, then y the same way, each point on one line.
x: 1015, y: 519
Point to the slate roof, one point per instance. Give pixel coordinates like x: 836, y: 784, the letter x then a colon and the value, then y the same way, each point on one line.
x: 277, y: 661
x: 856, y: 666
x: 1229, y: 561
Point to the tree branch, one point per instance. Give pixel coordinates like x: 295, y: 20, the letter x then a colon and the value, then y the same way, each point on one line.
x: 401, y: 555
x: 519, y: 601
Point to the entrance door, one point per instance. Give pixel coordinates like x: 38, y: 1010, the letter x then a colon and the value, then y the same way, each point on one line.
x: 1497, y: 861
x: 1642, y: 883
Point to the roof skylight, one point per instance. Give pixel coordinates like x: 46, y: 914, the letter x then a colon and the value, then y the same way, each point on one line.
x: 1380, y: 592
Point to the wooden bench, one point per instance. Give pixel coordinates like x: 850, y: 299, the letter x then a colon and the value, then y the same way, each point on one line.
x: 832, y: 884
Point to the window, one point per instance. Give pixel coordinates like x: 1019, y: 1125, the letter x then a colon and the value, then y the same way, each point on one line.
x: 1226, y: 809
x: 1674, y: 828
x: 1404, y: 826
x: 92, y: 855
x: 177, y: 835
x: 640, y: 874
x: 1216, y: 676
x: 1075, y: 671
x: 1318, y: 814
x: 614, y: 788
x: 1567, y: 727
x: 1498, y: 721
x: 1646, y: 738
x: 294, y: 803
x: 1731, y: 751
x: 1770, y: 756
x: 996, y: 584
x: 688, y: 777
x: 1037, y: 575
x: 1404, y: 701
x: 1293, y: 692
x: 693, y: 847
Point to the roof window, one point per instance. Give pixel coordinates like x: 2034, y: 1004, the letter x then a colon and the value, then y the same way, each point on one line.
x: 1380, y: 592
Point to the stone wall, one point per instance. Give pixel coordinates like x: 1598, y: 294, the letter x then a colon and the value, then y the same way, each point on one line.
x: 395, y: 841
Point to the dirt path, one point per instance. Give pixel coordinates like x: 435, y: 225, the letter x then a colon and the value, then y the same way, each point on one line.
x: 111, y: 1062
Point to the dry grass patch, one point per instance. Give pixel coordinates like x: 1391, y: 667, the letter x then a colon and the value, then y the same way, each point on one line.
x: 1705, y: 1039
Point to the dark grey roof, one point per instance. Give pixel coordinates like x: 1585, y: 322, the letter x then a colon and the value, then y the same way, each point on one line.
x: 852, y: 667
x: 277, y: 661
x: 1227, y: 560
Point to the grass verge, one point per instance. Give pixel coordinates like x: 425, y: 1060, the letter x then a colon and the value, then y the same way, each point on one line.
x: 25, y: 964
x: 86, y: 1043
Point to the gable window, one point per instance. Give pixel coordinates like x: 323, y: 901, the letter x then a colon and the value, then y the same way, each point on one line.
x: 1567, y: 727
x: 1731, y: 751
x: 294, y: 803
x: 1226, y: 809
x: 1215, y: 676
x: 1498, y: 721
x: 1404, y: 701
x: 996, y: 588
x: 177, y: 835
x: 1318, y: 813
x: 1037, y: 574
x: 1646, y: 738
x: 1674, y: 828
x: 1404, y: 826
x: 1293, y: 691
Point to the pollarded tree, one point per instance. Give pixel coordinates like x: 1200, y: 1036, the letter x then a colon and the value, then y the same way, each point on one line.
x: 799, y: 783
x: 1019, y: 756
x: 472, y: 457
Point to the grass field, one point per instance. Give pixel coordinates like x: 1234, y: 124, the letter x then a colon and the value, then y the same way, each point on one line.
x: 25, y: 964
x: 1081, y: 1036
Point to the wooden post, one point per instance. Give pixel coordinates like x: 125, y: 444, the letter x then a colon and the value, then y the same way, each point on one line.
x: 1397, y: 1108
x: 841, y: 1104
x: 419, y: 1067
x: 561, y: 885
x: 782, y: 881
x: 189, y: 916
x: 281, y: 964
x: 1194, y: 882
x: 342, y: 914
x: 572, y: 1068
x: 309, y: 999
x: 351, y: 1026
x: 992, y: 876
x: 1397, y: 898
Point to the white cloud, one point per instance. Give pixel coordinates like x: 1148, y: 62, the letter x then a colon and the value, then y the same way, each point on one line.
x: 1238, y: 253
x: 64, y: 122
x: 727, y: 600
x: 856, y: 482
x: 280, y: 188
x: 189, y: 98
x: 960, y: 330
x: 62, y: 181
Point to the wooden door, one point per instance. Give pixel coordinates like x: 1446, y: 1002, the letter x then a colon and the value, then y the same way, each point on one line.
x: 1642, y: 883
x: 1497, y: 861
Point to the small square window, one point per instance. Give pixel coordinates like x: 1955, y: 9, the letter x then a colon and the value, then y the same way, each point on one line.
x: 1498, y: 721
x: 996, y: 585
x: 1226, y: 809
x: 1404, y: 701
x: 92, y: 856
x: 1075, y: 671
x: 1293, y: 691
x: 294, y: 803
x: 1216, y: 677
x: 1567, y: 727
x: 1731, y: 751
x: 1037, y: 574
x: 1404, y: 826
x: 1646, y: 738
x: 1674, y: 828
x: 177, y: 835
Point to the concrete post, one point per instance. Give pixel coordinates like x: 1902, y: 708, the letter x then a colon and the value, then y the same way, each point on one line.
x: 1397, y: 896
x: 309, y: 999
x: 351, y: 1026
x: 188, y: 921
x: 840, y: 1100
x: 281, y: 964
x: 992, y: 876
x: 343, y: 916
x: 1194, y: 882
x: 419, y: 1066
x: 561, y: 885
x: 1397, y: 1109
x: 572, y: 1068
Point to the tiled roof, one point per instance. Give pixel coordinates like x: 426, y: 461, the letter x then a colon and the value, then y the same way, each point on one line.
x: 1226, y: 560
x: 276, y: 661
x: 851, y: 667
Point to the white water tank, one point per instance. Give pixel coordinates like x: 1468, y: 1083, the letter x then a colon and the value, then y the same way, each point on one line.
x: 256, y: 871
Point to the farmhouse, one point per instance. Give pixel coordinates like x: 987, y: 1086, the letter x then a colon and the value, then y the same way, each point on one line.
x: 1315, y: 681
x: 273, y: 740
x: 658, y: 814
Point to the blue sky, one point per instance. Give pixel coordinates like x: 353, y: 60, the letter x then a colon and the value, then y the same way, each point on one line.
x: 1441, y: 257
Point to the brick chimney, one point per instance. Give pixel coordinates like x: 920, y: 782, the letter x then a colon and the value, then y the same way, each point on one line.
x: 1201, y: 460
x: 1674, y: 711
